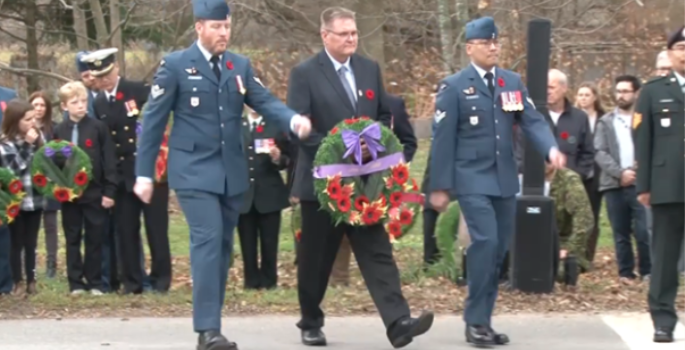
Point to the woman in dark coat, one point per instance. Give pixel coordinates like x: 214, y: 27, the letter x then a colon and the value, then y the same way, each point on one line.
x: 43, y: 108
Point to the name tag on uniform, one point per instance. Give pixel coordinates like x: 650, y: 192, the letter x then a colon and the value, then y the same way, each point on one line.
x: 472, y: 97
x: 194, y: 77
x: 263, y: 146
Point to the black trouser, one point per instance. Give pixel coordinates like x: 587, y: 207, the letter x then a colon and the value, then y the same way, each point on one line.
x: 260, y: 230
x: 24, y: 236
x: 128, y: 209
x: 595, y: 197
x: 431, y: 253
x: 319, y: 246
x: 667, y: 241
x: 50, y: 228
x: 84, y: 222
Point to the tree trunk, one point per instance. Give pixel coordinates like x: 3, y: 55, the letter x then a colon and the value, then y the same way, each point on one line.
x: 80, y: 27
x: 446, y: 39
x: 463, y: 17
x: 370, y: 25
x: 30, y: 20
x: 114, y: 19
x: 100, y: 25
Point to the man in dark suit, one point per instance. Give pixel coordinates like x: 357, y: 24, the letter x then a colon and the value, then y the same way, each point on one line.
x: 119, y: 105
x: 259, y: 223
x: 401, y: 125
x: 6, y: 283
x: 334, y: 85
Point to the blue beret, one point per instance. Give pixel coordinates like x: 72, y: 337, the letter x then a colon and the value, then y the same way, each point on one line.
x: 481, y: 28
x: 676, y: 37
x: 80, y: 65
x: 216, y: 10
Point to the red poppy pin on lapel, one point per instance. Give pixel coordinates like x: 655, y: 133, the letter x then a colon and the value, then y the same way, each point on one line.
x: 89, y: 143
x: 119, y: 96
x: 229, y: 65
x: 500, y: 82
x: 370, y: 94
x: 564, y: 135
x: 259, y: 129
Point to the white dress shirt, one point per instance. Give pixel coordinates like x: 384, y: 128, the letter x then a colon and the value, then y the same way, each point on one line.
x: 349, y: 74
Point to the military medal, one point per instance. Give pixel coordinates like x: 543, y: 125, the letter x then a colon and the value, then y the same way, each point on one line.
x: 131, y: 108
x: 506, y: 102
x: 519, y: 100
x: 241, y: 87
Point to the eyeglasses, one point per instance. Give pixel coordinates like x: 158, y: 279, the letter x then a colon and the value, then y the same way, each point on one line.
x: 678, y: 47
x: 352, y: 34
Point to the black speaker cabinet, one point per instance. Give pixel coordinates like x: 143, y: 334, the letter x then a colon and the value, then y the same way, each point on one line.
x: 532, y: 247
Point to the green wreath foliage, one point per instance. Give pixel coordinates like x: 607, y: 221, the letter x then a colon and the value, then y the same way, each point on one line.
x: 388, y: 196
x: 11, y: 194
x: 446, y: 240
x: 61, y: 170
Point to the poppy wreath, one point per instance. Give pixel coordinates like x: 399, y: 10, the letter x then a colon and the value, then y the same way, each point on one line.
x: 163, y: 156
x: 11, y: 194
x: 388, y: 196
x: 446, y: 231
x: 61, y: 170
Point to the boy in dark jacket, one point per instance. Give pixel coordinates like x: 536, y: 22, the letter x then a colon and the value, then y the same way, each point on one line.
x: 90, y: 209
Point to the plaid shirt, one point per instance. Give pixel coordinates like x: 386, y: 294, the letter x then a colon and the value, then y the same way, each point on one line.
x: 17, y: 157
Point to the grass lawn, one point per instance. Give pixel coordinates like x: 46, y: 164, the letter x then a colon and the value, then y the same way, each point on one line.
x: 598, y: 290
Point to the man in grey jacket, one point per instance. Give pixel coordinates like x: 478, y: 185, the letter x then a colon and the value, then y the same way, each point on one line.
x: 615, y: 155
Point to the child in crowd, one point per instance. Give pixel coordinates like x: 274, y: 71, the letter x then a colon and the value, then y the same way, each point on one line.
x: 19, y: 141
x: 89, y: 211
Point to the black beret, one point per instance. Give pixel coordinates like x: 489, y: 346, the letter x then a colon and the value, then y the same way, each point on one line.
x: 676, y: 37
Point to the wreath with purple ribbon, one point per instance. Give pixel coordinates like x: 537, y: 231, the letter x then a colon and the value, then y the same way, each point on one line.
x: 61, y: 170
x: 387, y: 195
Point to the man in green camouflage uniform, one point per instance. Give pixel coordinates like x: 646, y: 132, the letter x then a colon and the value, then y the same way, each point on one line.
x: 573, y: 215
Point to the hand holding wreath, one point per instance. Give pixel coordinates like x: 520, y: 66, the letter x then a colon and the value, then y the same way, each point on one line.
x: 11, y: 194
x: 61, y: 170
x: 363, y: 147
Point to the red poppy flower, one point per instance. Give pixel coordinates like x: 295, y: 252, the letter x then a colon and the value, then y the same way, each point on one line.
x: 298, y: 235
x: 406, y: 216
x: 81, y: 178
x: 119, y: 96
x: 370, y: 94
x: 389, y: 182
x: 360, y: 202
x: 40, y: 180
x: 61, y: 195
x: 344, y: 204
x: 382, y: 201
x: 372, y: 213
x: 564, y: 135
x: 89, y: 143
x: 350, y: 121
x: 15, y: 186
x: 414, y: 185
x: 229, y: 65
x: 333, y: 189
x: 400, y: 174
x: 334, y: 130
x: 259, y: 128
x: 346, y: 190
x: 13, y: 210
x: 364, y: 118
x: 395, y: 199
x: 395, y: 229
x: 500, y: 82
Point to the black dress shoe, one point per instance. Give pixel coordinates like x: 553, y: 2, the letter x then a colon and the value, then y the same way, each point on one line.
x: 403, y: 331
x: 480, y: 336
x: 662, y: 335
x: 313, y: 337
x: 499, y: 338
x: 213, y: 340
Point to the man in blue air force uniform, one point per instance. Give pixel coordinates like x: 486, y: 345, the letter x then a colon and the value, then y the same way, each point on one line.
x: 472, y: 157
x: 6, y: 283
x: 205, y: 86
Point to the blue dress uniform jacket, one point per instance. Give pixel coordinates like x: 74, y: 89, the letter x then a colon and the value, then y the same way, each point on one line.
x: 6, y: 95
x: 473, y: 146
x: 206, y: 151
x: 472, y: 157
x: 207, y: 165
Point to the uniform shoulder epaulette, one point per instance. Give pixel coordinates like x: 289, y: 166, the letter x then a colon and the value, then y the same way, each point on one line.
x: 655, y: 79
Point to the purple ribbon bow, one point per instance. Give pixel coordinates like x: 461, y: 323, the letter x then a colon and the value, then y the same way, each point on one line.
x: 371, y: 135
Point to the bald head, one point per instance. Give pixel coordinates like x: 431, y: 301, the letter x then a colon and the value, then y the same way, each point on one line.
x: 663, y: 64
x: 557, y: 85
